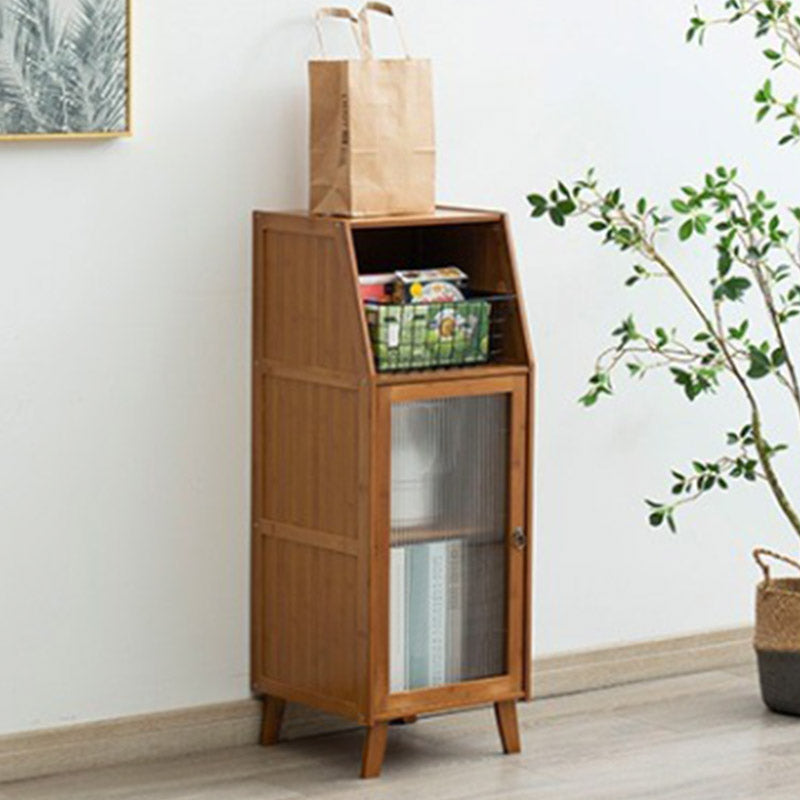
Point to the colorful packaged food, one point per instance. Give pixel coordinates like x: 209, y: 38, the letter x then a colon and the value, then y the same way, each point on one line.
x: 418, y: 335
x: 438, y: 292
x: 447, y: 285
x: 377, y: 288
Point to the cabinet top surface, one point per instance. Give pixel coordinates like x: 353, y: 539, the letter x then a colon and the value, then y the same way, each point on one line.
x: 442, y: 215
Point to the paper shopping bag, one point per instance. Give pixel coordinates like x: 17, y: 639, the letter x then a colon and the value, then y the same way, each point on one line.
x: 372, y: 133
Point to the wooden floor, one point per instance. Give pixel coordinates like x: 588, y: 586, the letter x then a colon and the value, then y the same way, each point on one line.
x: 698, y: 736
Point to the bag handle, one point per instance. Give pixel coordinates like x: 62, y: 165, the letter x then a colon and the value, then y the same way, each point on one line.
x: 338, y: 12
x: 760, y: 552
x: 363, y: 24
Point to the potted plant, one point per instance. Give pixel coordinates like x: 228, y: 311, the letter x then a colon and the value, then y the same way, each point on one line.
x: 743, y: 323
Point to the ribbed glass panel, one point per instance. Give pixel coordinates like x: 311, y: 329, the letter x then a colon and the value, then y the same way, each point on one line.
x: 449, y: 493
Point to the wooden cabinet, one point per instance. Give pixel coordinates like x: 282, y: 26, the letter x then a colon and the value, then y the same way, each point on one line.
x: 391, y: 571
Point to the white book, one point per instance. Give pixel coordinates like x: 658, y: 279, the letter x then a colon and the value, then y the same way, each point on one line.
x: 426, y: 614
x: 397, y: 620
x: 437, y: 613
x: 417, y: 615
x: 456, y: 609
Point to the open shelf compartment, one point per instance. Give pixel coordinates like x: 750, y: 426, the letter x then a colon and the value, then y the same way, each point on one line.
x: 486, y: 327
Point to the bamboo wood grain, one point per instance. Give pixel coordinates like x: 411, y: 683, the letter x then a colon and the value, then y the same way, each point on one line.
x: 451, y: 695
x: 406, y: 393
x: 274, y: 708
x: 443, y: 215
x: 257, y: 466
x: 325, y: 377
x: 527, y: 627
x: 505, y: 713
x: 450, y: 374
x: 321, y: 466
x: 293, y: 693
x: 310, y: 537
x: 366, y: 521
x: 374, y: 750
x: 510, y: 250
x: 515, y: 572
x: 379, y: 539
x: 309, y: 365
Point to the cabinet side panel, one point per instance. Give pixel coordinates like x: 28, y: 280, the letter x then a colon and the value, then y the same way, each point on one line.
x: 309, y: 304
x: 309, y: 455
x: 310, y: 364
x: 309, y: 611
x: 481, y: 250
x: 311, y: 576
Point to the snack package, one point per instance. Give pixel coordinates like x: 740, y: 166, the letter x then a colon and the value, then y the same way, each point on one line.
x: 377, y: 288
x: 444, y: 285
x: 418, y: 335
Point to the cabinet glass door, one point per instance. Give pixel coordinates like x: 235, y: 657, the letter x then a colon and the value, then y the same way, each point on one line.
x: 450, y: 509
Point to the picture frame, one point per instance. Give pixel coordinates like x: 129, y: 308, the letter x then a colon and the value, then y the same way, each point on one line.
x: 65, y: 69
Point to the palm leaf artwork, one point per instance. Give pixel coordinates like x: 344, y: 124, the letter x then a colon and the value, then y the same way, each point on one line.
x: 63, y: 66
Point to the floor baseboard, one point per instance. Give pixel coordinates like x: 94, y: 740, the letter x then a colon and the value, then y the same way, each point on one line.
x: 659, y: 658
x: 174, y: 733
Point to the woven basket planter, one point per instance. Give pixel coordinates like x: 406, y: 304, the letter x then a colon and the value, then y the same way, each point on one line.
x: 777, y: 639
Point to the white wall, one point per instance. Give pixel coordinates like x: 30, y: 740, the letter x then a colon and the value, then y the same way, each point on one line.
x: 124, y: 336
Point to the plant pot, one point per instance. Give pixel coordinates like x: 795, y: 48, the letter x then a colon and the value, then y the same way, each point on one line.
x: 777, y: 639
x: 779, y: 676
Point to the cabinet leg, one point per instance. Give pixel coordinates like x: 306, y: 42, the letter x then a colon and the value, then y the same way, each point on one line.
x: 374, y: 749
x: 505, y: 713
x: 271, y: 721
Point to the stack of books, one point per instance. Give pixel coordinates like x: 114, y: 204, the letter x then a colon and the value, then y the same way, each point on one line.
x: 428, y: 604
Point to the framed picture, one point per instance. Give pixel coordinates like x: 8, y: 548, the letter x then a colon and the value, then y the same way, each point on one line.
x: 64, y: 69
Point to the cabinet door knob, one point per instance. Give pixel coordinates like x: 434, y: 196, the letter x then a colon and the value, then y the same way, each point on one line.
x: 519, y: 538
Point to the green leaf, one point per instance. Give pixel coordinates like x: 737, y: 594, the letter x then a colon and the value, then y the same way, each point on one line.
x: 701, y: 223
x: 626, y: 331
x: 732, y: 289
x: 759, y: 363
x: 557, y: 217
x: 685, y: 231
x: 724, y: 262
x: 599, y: 383
x: 739, y: 333
x: 566, y: 207
x: 656, y: 518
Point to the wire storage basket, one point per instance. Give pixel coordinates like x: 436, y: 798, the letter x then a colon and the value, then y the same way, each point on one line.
x: 408, y: 336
